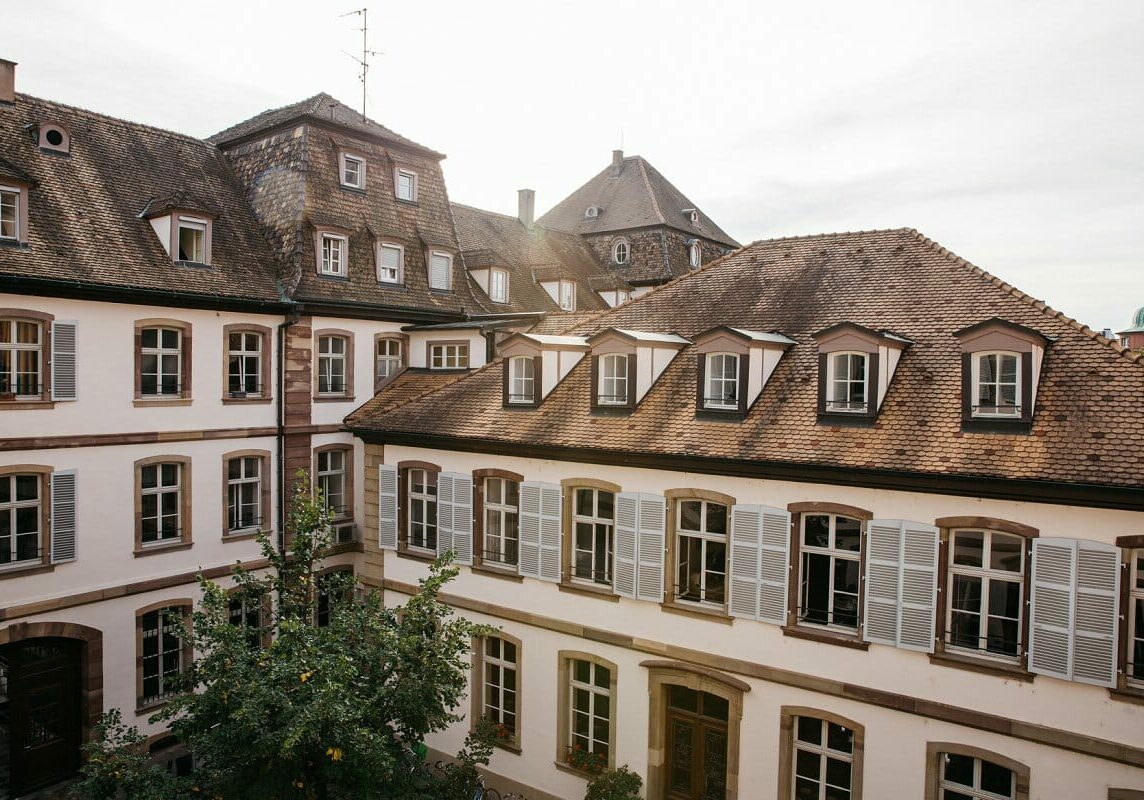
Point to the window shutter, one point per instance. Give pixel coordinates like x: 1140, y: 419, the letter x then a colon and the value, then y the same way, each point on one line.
x: 901, y: 584
x: 63, y: 516
x: 624, y: 560
x: 883, y: 554
x: 1097, y: 613
x: 1051, y: 607
x: 550, y: 519
x: 650, y: 545
x: 746, y: 559
x: 463, y: 517
x: 387, y: 507
x: 700, y: 381
x: 445, y: 512
x: 775, y: 565
x: 63, y: 361
x: 528, y: 563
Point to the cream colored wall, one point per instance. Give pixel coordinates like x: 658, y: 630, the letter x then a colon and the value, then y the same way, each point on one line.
x: 329, y: 412
x: 419, y: 345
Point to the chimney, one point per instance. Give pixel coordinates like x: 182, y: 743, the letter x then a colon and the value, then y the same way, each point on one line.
x: 617, y: 162
x: 525, y: 206
x: 7, y: 81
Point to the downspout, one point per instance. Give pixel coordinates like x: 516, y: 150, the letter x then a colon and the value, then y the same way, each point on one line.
x: 280, y: 402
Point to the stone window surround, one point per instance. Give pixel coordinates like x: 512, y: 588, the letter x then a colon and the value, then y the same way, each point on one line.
x: 184, y: 606
x: 347, y: 395
x: 511, y: 744
x: 568, y: 488
x: 320, y: 233
x: 1126, y: 688
x: 183, y: 398
x: 564, y: 702
x: 787, y: 716
x: 403, y: 468
x: 670, y: 603
x: 347, y: 477
x: 267, y: 393
x: 21, y: 190
x: 185, y: 539
x: 936, y: 750
x: 479, y: 476
x: 44, y: 564
x: 265, y: 479
x: 358, y: 156
x: 389, y: 336
x: 45, y: 321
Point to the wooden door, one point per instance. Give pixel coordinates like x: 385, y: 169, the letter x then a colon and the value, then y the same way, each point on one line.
x: 696, y: 745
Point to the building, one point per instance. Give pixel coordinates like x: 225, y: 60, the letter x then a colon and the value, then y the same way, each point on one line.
x: 1133, y: 337
x: 839, y: 516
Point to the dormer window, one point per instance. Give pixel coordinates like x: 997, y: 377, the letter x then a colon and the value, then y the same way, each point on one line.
x: 192, y: 240
x: 567, y: 296
x: 621, y: 250
x: 440, y: 270
x: 846, y: 389
x: 996, y: 384
x: 534, y: 364
x: 390, y: 262
x: 334, y: 254
x: 694, y: 217
x: 733, y: 365
x: 1000, y: 373
x: 626, y: 364
x: 498, y: 285
x: 695, y: 254
x: 405, y: 185
x: 591, y: 212
x: 521, y: 390
x: 613, y: 384
x: 722, y: 381
x: 54, y: 138
x: 10, y: 208
x: 352, y: 171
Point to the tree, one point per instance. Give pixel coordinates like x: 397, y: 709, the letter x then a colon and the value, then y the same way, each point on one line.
x: 309, y: 711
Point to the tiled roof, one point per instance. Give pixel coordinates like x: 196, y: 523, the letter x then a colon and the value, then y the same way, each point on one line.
x: 558, y: 324
x: 637, y: 197
x: 84, y: 210
x: 1086, y: 429
x: 322, y: 107
x: 406, y: 386
x: 530, y: 255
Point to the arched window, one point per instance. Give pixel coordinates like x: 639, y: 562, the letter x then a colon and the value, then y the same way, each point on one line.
x: 621, y: 250
x: 695, y: 254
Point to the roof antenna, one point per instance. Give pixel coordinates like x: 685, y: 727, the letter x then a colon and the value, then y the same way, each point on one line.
x: 365, y: 52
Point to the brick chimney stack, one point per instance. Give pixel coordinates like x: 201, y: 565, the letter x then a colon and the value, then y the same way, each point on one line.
x: 617, y: 162
x: 7, y: 81
x: 526, y: 206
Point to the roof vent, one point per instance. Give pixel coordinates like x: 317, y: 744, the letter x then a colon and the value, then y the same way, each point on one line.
x: 53, y: 138
x: 692, y: 214
x: 591, y: 212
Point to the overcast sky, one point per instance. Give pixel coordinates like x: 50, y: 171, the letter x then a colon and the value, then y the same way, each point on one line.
x: 1011, y: 132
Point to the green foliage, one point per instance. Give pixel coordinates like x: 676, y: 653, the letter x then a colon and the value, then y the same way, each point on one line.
x: 616, y: 784
x: 116, y: 761
x: 319, y: 713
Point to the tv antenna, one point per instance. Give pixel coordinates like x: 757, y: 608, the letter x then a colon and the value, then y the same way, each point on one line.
x: 363, y: 62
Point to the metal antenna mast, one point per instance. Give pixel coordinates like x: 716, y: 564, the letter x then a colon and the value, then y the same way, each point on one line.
x: 365, y: 52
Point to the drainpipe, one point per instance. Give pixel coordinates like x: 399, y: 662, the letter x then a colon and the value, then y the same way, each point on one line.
x: 283, y: 489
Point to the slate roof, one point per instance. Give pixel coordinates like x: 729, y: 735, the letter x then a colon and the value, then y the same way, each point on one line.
x: 84, y: 208
x: 639, y: 196
x: 530, y: 256
x: 1085, y: 430
x: 321, y: 107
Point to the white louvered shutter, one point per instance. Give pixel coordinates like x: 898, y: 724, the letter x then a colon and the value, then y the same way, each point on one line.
x: 650, y: 545
x: 775, y: 565
x: 624, y: 559
x: 746, y: 561
x: 918, y: 587
x: 387, y: 507
x: 550, y: 523
x: 1097, y: 614
x: 1051, y: 607
x: 444, y: 512
x: 883, y: 566
x: 63, y: 546
x: 528, y: 564
x: 63, y: 360
x: 463, y: 517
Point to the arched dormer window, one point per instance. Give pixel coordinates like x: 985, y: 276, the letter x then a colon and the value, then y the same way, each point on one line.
x: 695, y: 254
x: 621, y: 251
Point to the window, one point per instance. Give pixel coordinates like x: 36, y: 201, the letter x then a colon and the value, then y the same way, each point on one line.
x: 587, y: 737
x: 593, y: 526
x: 846, y: 383
x: 390, y: 263
x: 335, y: 590
x: 406, y: 185
x: 591, y: 212
x: 964, y: 777
x: 54, y: 138
x: 522, y: 380
x: 440, y: 271
x: 331, y: 481
x: 334, y: 255
x: 501, y: 521
x: 243, y: 494
x: 613, y: 380
x: 996, y: 385
x: 986, y: 592
x: 623, y: 296
x: 389, y: 359
x: 21, y: 359
x: 161, y: 362
x: 1134, y: 668
x: 621, y: 250
x: 567, y: 296
x: 722, y: 379
x: 10, y: 214
x: 498, y: 286
x: 245, y: 611
x: 161, y: 503
x: 193, y: 240
x: 163, y: 653
x: 21, y: 518
x: 422, y: 532
x: 829, y: 566
x: 701, y: 551
x: 695, y: 255
x: 823, y: 754
x: 244, y: 364
x: 449, y: 355
x: 498, y: 676
x: 332, y: 365
x: 353, y: 171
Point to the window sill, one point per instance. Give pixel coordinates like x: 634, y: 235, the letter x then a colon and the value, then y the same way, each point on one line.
x: 253, y: 401
x: 579, y: 773
x: 142, y: 402
x: 408, y: 202
x: 343, y: 547
x: 415, y: 555
x: 325, y: 398
x: 599, y: 591
x: 147, y: 708
x: 713, y: 614
x: 511, y: 746
x: 162, y: 548
x: 243, y: 536
x: 825, y: 636
x: 1128, y: 694
x: 497, y: 572
x: 19, y: 405
x: 13, y: 571
x: 983, y: 665
x: 353, y: 189
x: 14, y: 243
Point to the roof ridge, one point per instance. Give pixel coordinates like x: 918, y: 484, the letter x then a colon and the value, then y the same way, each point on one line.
x: 1036, y: 303
x: 651, y: 192
x: 120, y: 120
x: 483, y: 210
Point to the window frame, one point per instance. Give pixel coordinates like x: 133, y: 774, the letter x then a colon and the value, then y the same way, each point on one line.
x: 514, y: 399
x: 788, y: 747
x: 265, y: 389
x: 43, y: 476
x: 345, y: 512
x: 19, y: 213
x: 676, y: 498
x: 564, y: 693
x: 501, y: 296
x: 344, y: 159
x: 566, y: 303
x: 184, y: 540
x: 462, y: 349
x: 936, y: 751
x: 402, y: 342
x: 185, y: 384
x: 976, y: 386
x: 182, y: 607
x: 382, y: 246
x: 448, y: 258
x: 505, y: 512
x: 43, y: 348
x: 325, y: 267
x: 624, y: 247
x: 709, y: 400
x: 569, y: 578
x: 414, y: 180
x: 832, y: 379
x: 694, y: 254
x: 480, y: 476
x: 347, y: 359
x: 621, y: 376
x: 405, y: 504
x: 199, y: 225
x: 250, y: 602
x: 478, y: 702
x: 265, y: 482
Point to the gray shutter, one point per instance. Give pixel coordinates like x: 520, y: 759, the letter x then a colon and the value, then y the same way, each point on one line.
x: 650, y: 545
x: 528, y: 564
x: 1097, y: 613
x: 463, y: 517
x: 63, y: 547
x: 1051, y: 607
x: 550, y: 523
x: 883, y: 554
x: 387, y: 507
x: 624, y: 559
x: 746, y: 561
x: 776, y: 565
x: 444, y: 512
x: 63, y: 360
x: 916, y: 629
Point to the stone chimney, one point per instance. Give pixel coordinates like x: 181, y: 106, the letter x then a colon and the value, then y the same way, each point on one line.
x: 525, y: 206
x: 617, y: 162
x: 7, y: 81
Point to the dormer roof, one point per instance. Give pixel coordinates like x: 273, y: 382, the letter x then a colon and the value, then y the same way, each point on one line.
x: 641, y: 337
x: 547, y: 341
x: 1020, y: 331
x: 882, y: 336
x: 760, y: 337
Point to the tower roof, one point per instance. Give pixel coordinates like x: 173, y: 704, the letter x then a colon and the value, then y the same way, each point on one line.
x: 1137, y: 322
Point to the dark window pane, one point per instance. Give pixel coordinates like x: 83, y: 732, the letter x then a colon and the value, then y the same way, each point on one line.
x: 605, y: 503
x: 816, y: 530
x: 996, y: 779
x: 839, y: 738
x: 684, y: 698
x: 847, y: 534
x: 716, y: 518
x: 968, y: 548
x: 1005, y: 553
x: 959, y: 769
x: 690, y: 515
x: 809, y: 730
x: 838, y: 773
x: 806, y: 764
x: 1004, y: 598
